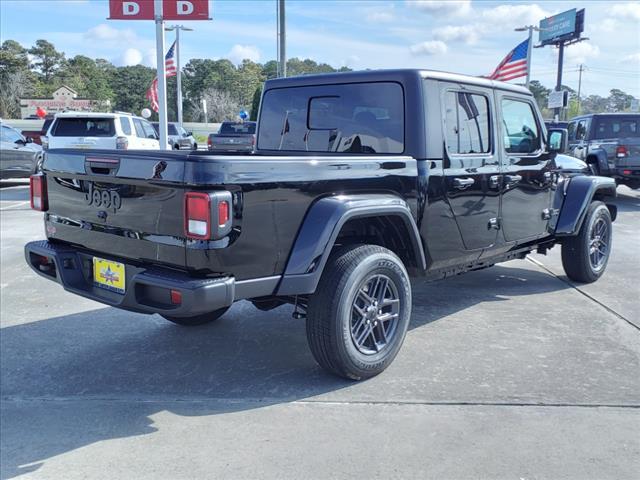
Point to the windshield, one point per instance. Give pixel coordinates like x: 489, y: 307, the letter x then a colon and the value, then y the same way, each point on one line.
x: 616, y: 127
x: 84, y: 127
x: 229, y: 128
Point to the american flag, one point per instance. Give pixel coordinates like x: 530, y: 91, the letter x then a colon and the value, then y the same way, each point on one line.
x: 170, y: 71
x: 514, y: 64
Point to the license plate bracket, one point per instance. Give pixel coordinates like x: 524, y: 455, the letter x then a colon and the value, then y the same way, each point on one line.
x: 109, y: 275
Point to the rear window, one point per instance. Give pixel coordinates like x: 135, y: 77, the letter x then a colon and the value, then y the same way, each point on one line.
x: 351, y: 118
x: 613, y: 127
x: 229, y: 128
x: 84, y: 127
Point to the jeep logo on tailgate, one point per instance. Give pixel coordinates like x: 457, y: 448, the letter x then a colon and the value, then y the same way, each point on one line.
x: 101, y: 197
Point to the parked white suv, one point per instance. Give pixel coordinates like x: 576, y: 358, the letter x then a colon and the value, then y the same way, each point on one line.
x: 111, y: 131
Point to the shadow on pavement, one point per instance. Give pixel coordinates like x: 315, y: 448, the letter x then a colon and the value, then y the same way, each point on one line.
x: 248, y: 359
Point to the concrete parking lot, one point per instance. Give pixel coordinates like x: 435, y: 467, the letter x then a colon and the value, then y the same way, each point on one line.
x: 510, y: 373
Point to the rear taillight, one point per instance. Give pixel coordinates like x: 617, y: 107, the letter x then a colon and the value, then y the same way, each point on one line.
x: 122, y: 143
x: 207, y: 216
x: 253, y: 139
x: 209, y: 141
x: 38, y: 191
x: 621, y: 151
x: 44, y: 141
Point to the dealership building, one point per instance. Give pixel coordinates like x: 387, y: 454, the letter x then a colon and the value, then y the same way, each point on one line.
x: 64, y: 98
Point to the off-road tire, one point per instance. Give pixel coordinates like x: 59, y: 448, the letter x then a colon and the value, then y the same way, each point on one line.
x: 330, y: 310
x: 576, y: 250
x: 197, y: 319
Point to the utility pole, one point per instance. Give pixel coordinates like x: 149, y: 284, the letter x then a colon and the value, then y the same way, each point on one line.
x: 282, y: 49
x: 177, y: 28
x: 530, y: 29
x: 162, y: 79
x: 558, y: 110
x: 580, y: 88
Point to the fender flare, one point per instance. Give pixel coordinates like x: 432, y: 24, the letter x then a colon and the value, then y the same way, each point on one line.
x: 601, y: 158
x: 573, y: 197
x: 321, y: 227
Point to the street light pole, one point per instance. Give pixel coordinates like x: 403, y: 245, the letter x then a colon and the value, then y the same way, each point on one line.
x: 282, y: 42
x: 177, y: 28
x: 162, y: 80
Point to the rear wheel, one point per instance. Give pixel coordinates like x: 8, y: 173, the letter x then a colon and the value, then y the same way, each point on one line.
x: 358, y: 317
x: 585, y: 256
x: 197, y: 319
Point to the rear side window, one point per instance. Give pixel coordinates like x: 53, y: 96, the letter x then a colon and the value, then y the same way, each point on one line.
x: 237, y: 128
x: 466, y: 123
x: 519, y: 128
x: 125, y: 124
x: 616, y: 127
x: 139, y: 128
x: 172, y: 129
x: 353, y: 118
x: 84, y: 127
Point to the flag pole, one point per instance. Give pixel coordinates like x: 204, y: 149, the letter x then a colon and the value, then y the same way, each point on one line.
x: 529, y: 46
x: 162, y: 79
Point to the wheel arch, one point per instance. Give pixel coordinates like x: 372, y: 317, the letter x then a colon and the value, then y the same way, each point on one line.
x: 575, y: 198
x: 381, y: 219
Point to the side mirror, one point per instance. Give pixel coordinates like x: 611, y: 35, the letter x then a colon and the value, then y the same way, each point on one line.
x: 558, y: 140
x: 189, y: 134
x: 29, y: 140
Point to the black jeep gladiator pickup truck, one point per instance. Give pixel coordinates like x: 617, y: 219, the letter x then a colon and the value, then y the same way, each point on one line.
x: 359, y: 182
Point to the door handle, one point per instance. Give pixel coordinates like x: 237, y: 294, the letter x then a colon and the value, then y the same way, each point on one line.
x: 513, y: 178
x: 462, y: 183
x: 494, y: 181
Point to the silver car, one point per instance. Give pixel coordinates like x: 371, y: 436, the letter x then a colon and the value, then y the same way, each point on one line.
x: 19, y: 156
x: 179, y: 138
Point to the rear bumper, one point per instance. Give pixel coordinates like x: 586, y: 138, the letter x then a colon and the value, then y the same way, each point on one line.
x: 147, y: 289
x: 230, y: 148
x: 627, y: 173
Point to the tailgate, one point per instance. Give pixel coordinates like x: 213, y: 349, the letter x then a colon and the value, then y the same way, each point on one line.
x: 121, y: 205
x: 232, y: 140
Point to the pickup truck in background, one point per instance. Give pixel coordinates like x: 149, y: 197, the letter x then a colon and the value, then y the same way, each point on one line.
x: 233, y: 137
x: 360, y: 181
x: 36, y: 135
x: 609, y: 143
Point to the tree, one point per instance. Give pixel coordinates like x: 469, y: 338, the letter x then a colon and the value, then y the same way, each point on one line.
x: 129, y: 86
x: 83, y: 75
x: 47, y: 60
x: 255, y: 104
x: 618, y: 100
x: 15, y: 78
x: 221, y: 106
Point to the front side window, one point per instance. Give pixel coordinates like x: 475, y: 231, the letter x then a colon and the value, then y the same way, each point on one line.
x: 148, y: 130
x: 520, y: 130
x: 137, y: 123
x: 466, y: 123
x: 581, y: 130
x: 351, y: 118
x: 9, y: 135
x: 172, y: 130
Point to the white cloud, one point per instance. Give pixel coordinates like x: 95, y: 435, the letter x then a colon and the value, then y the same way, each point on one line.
x: 131, y: 56
x: 468, y: 34
x: 104, y: 32
x: 633, y: 58
x: 458, y: 8
x: 240, y: 52
x: 626, y: 11
x: 383, y: 13
x: 431, y: 47
x: 509, y: 16
x: 580, y: 53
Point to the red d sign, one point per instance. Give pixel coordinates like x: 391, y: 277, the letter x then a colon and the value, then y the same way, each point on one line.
x: 130, y: 9
x: 185, y: 9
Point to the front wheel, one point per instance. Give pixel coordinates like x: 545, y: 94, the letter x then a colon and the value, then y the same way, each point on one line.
x: 358, y: 317
x: 197, y: 319
x: 585, y: 256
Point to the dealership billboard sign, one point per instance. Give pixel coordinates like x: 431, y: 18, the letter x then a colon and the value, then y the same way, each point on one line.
x: 562, y: 27
x: 171, y: 10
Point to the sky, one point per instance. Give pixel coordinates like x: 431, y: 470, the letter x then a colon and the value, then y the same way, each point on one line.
x: 465, y: 36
